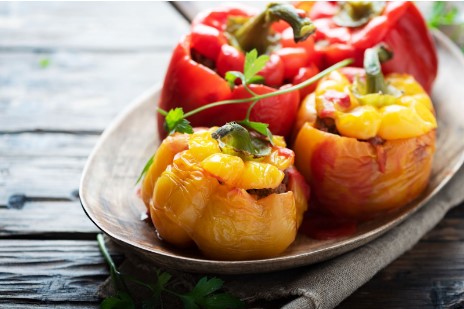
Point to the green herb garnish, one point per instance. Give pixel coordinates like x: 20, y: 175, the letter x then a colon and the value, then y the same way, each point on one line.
x: 145, y: 169
x: 175, y: 119
x: 175, y: 122
x: 206, y: 294
x: 253, y: 65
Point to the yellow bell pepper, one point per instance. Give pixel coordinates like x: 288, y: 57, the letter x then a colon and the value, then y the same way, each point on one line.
x: 231, y: 208
x: 365, y: 144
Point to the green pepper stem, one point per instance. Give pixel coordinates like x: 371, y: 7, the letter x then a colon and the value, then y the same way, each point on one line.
x: 255, y: 33
x: 299, y: 86
x: 354, y: 14
x: 375, y: 81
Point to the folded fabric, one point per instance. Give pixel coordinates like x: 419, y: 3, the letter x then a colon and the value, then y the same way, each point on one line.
x: 326, y: 284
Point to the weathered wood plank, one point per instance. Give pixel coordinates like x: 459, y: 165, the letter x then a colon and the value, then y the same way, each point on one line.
x: 76, y: 92
x: 451, y: 228
x: 21, y: 304
x: 110, y: 26
x: 42, y: 165
x: 54, y: 272
x: 431, y: 275
x: 45, y: 272
x: 46, y: 220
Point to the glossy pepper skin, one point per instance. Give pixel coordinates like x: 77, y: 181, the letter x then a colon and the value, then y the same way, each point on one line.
x: 380, y: 156
x: 195, y: 75
x: 400, y: 26
x: 197, y: 194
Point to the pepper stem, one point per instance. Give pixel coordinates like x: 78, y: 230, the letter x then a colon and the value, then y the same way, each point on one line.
x: 357, y: 13
x: 375, y: 81
x: 256, y: 32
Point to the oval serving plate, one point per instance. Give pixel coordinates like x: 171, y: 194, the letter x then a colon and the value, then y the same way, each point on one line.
x: 109, y: 198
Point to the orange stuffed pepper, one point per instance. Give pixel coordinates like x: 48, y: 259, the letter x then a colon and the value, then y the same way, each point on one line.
x: 233, y: 204
x: 365, y: 143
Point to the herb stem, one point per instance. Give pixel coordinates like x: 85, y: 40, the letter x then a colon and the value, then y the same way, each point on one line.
x: 247, y: 118
x: 162, y: 112
x: 116, y: 276
x: 104, y: 251
x: 249, y: 90
x: 133, y: 279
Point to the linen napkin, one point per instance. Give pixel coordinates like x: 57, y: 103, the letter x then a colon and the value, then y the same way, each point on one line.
x: 326, y: 284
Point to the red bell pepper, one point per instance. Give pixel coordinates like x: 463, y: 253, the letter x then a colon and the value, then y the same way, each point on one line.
x: 217, y: 44
x: 347, y: 30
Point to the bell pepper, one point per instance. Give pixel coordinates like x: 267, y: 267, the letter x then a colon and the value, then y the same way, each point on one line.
x: 217, y: 44
x: 347, y: 29
x: 230, y: 205
x: 365, y: 142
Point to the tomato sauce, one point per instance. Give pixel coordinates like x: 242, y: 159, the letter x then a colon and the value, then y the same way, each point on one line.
x: 322, y: 226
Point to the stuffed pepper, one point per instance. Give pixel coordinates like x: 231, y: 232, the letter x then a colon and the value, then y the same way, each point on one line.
x: 347, y: 29
x: 227, y: 191
x: 217, y: 44
x: 365, y: 141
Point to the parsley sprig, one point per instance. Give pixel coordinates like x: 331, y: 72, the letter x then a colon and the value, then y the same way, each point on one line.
x: 253, y: 64
x: 176, y: 119
x: 206, y: 294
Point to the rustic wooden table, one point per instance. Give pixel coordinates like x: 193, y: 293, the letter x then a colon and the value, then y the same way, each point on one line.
x: 66, y: 70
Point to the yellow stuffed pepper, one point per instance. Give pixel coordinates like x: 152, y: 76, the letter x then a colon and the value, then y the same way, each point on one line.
x: 365, y: 143
x: 209, y: 189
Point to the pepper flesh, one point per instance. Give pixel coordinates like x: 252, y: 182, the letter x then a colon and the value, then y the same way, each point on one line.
x: 195, y: 76
x: 198, y: 195
x: 380, y: 156
x: 400, y: 26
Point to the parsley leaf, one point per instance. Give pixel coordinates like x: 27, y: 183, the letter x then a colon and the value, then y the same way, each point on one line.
x: 163, y: 279
x: 175, y: 122
x: 260, y: 127
x: 145, y: 169
x: 121, y: 300
x: 202, y: 296
x: 231, y: 76
x: 253, y: 64
x: 223, y: 300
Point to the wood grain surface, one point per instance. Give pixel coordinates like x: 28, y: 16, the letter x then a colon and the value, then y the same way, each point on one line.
x: 100, y: 56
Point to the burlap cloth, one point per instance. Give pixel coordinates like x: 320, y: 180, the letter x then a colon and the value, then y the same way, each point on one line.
x: 326, y: 284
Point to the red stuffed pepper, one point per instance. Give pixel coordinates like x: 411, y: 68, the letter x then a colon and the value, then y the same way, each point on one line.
x: 217, y: 44
x: 346, y: 30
